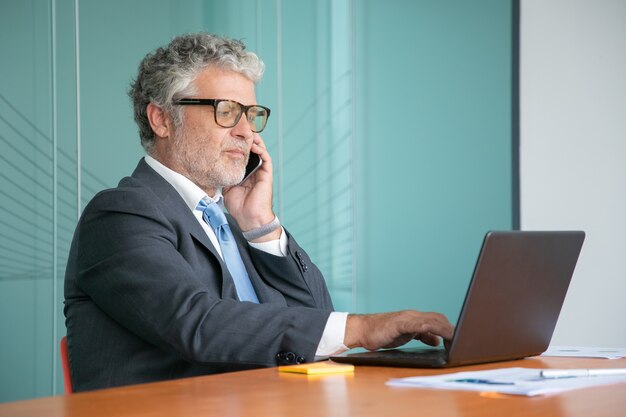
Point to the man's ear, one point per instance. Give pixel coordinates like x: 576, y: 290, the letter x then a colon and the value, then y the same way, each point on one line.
x: 159, y: 121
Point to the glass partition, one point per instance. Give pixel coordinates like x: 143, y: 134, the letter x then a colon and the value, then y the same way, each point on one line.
x: 390, y: 135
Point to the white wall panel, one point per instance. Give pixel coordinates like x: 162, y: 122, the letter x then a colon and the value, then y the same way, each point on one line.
x: 573, y: 152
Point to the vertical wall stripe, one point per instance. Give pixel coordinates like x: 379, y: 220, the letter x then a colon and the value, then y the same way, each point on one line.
x: 353, y: 149
x: 79, y: 204
x: 515, y: 114
x: 53, y: 76
x: 259, y: 26
x: 279, y: 70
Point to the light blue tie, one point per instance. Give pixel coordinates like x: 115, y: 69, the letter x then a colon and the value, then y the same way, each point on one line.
x: 214, y: 216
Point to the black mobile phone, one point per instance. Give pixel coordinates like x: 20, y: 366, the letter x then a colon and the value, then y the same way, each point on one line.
x: 254, y: 163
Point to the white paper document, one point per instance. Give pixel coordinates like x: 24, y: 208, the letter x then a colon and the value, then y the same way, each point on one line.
x: 516, y: 381
x: 585, y: 352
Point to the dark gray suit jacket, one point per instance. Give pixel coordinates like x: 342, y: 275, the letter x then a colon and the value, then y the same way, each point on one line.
x: 148, y: 298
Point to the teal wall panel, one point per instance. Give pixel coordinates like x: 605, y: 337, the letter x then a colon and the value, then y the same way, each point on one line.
x: 27, y: 208
x: 435, y: 147
x: 66, y: 163
x: 110, y: 146
x: 390, y: 134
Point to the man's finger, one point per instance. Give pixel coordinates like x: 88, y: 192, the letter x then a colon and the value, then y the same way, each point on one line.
x: 429, y: 339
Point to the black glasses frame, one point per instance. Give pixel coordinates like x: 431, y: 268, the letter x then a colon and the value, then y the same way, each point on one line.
x: 215, y: 102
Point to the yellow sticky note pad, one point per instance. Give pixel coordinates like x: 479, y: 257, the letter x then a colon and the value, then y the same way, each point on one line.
x: 317, y: 368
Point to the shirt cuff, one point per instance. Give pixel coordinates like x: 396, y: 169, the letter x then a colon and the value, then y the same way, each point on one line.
x: 276, y: 247
x: 332, y: 338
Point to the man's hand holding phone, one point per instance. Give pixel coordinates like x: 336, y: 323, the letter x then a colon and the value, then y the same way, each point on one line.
x: 250, y: 202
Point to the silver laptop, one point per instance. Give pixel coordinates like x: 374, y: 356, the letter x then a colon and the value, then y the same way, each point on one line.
x: 511, y: 306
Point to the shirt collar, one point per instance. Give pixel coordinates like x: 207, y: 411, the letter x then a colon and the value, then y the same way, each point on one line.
x: 190, y: 192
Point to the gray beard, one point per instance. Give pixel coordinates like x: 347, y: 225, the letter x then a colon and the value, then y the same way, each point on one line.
x: 208, y: 171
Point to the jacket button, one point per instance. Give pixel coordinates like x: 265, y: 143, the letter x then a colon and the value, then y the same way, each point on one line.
x: 300, y: 359
x: 302, y: 261
x: 280, y: 356
x: 290, y: 357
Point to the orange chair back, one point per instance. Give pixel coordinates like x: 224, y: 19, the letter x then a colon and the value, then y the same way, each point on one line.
x: 65, y: 363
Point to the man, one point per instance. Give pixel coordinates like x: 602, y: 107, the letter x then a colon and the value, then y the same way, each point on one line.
x: 156, y: 289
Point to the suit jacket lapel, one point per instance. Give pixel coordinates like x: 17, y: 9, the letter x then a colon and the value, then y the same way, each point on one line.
x: 173, y: 203
x: 175, y: 207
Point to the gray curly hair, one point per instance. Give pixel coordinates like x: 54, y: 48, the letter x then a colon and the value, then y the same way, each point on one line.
x: 168, y: 74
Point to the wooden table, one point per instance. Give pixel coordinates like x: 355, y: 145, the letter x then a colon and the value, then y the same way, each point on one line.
x: 266, y: 392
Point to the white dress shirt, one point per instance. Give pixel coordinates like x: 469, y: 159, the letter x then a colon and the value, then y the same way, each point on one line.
x: 331, y: 342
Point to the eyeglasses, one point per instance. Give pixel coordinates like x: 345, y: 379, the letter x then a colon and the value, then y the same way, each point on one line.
x: 228, y: 112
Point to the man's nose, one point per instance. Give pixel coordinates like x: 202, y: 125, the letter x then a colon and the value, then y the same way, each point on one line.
x: 242, y: 129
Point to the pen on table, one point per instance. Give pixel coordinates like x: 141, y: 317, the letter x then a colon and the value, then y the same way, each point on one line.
x: 571, y: 373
